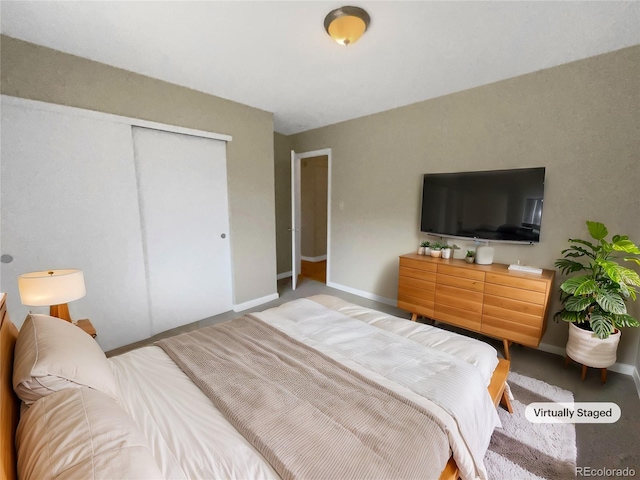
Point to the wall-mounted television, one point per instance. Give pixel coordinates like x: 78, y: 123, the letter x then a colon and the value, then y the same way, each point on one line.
x: 496, y: 205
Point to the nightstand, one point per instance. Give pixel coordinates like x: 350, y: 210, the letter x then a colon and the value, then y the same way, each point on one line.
x: 87, y: 326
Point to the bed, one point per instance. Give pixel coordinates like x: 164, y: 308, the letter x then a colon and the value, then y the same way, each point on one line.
x: 180, y: 431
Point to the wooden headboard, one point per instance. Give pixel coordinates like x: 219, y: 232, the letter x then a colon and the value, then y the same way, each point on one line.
x: 9, y: 403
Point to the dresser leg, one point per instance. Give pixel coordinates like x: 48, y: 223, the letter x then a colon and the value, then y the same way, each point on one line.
x: 603, y: 375
x: 506, y: 344
x: 566, y: 361
x: 414, y: 317
x: 584, y: 372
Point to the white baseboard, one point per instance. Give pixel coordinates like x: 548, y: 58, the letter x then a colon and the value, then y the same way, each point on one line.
x: 361, y: 293
x: 284, y: 275
x: 616, y: 367
x: 254, y: 303
x: 314, y: 259
x: 636, y: 380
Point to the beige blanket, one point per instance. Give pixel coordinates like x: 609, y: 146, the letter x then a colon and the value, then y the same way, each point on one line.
x: 308, y: 415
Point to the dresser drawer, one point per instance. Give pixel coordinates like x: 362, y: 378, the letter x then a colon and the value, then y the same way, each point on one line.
x: 415, y: 273
x: 461, y: 272
x: 457, y: 316
x: 418, y: 264
x: 464, y: 283
x: 514, y: 293
x: 457, y: 297
x: 514, y: 305
x: 513, y: 316
x: 421, y: 285
x: 517, y: 282
x: 499, y: 328
x: 412, y: 304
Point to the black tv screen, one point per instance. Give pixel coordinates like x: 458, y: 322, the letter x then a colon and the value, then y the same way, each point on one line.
x: 498, y: 205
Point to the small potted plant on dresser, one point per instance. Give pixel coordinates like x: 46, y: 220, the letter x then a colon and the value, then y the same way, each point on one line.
x: 594, y: 301
x: 470, y: 256
x: 424, y: 248
x: 449, y: 250
x: 436, y: 250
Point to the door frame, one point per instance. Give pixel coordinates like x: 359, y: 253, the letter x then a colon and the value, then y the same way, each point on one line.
x: 296, y: 187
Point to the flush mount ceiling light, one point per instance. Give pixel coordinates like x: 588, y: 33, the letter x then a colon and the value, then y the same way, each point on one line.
x: 346, y: 24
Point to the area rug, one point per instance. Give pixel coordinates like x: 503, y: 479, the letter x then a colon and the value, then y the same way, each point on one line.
x: 521, y: 450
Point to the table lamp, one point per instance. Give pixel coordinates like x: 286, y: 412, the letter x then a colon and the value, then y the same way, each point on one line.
x: 53, y: 288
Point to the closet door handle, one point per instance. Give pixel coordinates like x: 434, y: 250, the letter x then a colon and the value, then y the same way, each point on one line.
x: 224, y: 235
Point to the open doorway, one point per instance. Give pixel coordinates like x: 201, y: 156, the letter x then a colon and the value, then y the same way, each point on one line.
x: 311, y: 174
x: 314, y: 177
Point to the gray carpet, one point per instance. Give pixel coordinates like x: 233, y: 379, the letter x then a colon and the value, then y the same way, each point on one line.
x: 524, y: 450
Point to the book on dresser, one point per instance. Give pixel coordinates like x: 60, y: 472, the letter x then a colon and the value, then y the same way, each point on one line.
x: 506, y: 304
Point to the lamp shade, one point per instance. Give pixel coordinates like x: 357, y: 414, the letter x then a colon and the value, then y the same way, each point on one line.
x: 51, y: 287
x: 346, y: 24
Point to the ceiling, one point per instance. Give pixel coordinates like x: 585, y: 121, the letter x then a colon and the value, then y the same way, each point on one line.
x: 277, y: 57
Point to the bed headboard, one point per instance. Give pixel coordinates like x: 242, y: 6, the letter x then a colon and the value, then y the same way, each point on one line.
x: 9, y: 403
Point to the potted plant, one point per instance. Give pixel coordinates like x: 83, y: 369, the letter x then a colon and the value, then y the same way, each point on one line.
x: 424, y: 248
x: 470, y: 256
x: 449, y: 250
x: 594, y: 301
x: 436, y: 249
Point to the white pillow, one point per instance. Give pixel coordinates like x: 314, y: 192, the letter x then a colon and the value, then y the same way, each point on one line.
x: 81, y: 433
x: 52, y: 355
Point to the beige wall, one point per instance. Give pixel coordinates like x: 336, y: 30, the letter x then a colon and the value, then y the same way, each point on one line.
x: 313, y: 186
x: 580, y: 120
x: 282, y: 159
x: 39, y: 73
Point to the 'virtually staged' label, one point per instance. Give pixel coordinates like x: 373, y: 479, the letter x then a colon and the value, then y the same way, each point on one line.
x: 578, y: 412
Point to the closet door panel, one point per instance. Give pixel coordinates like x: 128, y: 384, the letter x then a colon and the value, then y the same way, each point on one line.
x: 182, y: 183
x: 69, y: 200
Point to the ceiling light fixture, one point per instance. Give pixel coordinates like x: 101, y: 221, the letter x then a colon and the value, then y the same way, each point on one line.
x: 346, y: 24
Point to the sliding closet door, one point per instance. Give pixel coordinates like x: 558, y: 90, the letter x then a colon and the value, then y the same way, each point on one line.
x: 69, y: 200
x: 182, y: 184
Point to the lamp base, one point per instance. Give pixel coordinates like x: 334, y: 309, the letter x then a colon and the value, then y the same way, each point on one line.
x: 60, y: 311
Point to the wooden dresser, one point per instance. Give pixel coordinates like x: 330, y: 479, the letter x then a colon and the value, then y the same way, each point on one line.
x: 489, y: 299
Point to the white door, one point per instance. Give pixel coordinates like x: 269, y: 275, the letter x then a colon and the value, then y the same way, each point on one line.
x: 69, y: 200
x: 185, y: 225
x: 296, y: 220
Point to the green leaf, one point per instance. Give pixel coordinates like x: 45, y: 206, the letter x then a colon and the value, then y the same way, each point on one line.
x: 597, y: 230
x: 568, y: 266
x: 581, y: 249
x: 582, y: 285
x: 625, y: 320
x: 601, y: 326
x: 606, y: 247
x: 578, y: 304
x: 631, y: 259
x: 628, y: 276
x: 574, y: 317
x: 611, y: 302
x: 610, y: 268
x: 626, y: 246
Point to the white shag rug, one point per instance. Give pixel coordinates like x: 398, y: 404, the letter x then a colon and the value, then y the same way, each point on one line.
x: 522, y: 450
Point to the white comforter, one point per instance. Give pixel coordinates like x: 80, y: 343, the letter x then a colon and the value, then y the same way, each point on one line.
x: 191, y: 439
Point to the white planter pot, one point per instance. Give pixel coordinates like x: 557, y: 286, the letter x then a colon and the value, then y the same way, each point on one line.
x: 427, y: 250
x: 585, y: 348
x: 420, y: 250
x: 436, y: 253
x: 446, y: 253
